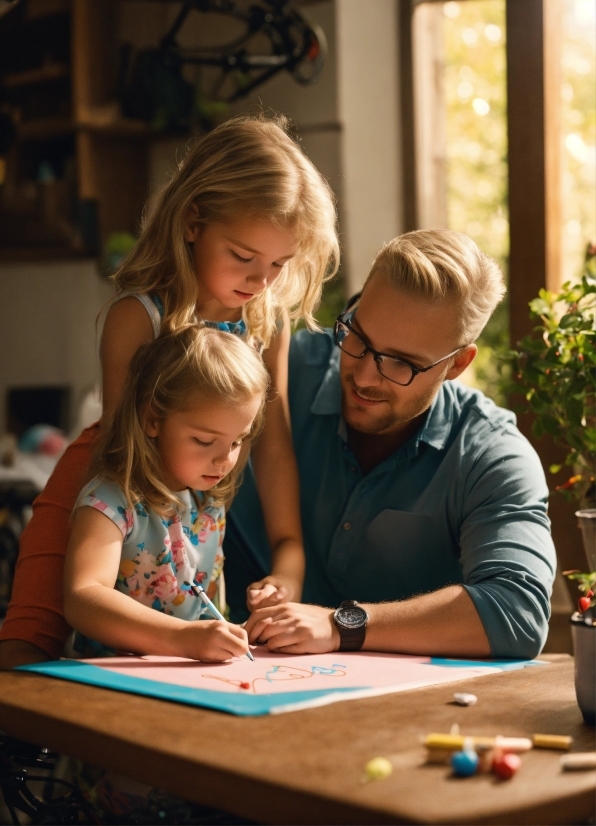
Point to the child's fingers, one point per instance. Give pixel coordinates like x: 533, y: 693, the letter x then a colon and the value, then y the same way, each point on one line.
x: 257, y: 596
x: 238, y: 631
x: 275, y: 599
x: 216, y: 641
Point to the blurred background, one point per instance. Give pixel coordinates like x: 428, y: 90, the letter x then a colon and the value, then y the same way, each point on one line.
x: 477, y: 115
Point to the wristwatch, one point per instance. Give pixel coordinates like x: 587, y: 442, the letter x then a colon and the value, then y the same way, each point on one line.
x: 350, y: 619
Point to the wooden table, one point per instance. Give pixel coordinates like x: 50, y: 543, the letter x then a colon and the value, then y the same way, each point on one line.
x: 306, y: 767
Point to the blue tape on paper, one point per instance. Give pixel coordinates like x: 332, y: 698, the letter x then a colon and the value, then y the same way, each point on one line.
x: 500, y: 665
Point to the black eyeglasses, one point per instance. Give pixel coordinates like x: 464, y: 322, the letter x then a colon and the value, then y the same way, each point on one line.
x: 397, y: 370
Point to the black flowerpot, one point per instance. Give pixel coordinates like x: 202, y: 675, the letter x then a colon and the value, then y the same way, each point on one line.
x: 583, y: 631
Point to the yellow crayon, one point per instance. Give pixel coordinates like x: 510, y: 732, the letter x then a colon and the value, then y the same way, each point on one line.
x: 552, y: 741
x: 455, y: 742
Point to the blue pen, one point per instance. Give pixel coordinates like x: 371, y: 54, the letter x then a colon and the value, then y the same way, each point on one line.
x: 199, y: 592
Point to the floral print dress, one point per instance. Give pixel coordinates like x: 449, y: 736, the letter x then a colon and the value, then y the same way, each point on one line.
x: 160, y: 556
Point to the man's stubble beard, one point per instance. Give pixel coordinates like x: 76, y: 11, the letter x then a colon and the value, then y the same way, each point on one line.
x: 391, y: 421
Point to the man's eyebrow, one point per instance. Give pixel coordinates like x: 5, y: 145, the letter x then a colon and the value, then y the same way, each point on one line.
x: 392, y: 352
x: 244, y: 246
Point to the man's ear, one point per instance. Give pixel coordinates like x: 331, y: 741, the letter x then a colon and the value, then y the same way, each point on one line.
x: 462, y: 360
x: 192, y: 224
x: 151, y: 424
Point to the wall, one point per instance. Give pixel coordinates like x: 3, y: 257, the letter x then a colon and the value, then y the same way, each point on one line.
x: 47, y: 327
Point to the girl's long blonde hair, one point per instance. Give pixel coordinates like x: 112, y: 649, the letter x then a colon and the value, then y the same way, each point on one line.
x: 247, y: 167
x: 193, y: 364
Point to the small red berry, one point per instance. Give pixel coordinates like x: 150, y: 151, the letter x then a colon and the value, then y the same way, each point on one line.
x: 583, y: 603
x: 245, y: 685
x: 506, y: 765
x: 590, y: 593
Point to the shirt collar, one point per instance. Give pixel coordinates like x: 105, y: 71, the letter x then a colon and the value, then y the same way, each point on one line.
x: 327, y: 402
x: 439, y: 421
x: 437, y: 425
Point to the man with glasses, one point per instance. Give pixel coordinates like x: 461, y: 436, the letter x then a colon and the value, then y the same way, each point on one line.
x: 423, y: 507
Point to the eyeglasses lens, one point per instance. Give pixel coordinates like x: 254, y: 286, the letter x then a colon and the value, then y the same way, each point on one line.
x: 392, y: 369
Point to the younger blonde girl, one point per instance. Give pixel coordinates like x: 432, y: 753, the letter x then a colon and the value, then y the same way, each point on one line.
x: 151, y: 521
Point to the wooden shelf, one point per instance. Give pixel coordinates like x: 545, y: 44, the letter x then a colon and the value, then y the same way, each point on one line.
x: 53, y: 127
x: 57, y: 253
x: 31, y: 130
x: 63, y: 99
x: 44, y: 74
x: 107, y: 120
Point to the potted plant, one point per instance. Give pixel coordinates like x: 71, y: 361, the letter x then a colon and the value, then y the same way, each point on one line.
x: 555, y: 365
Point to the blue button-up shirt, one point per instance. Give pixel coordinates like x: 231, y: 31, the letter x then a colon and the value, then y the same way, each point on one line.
x: 462, y: 501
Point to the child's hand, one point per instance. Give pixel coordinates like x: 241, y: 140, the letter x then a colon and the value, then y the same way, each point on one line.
x: 212, y: 641
x: 272, y: 590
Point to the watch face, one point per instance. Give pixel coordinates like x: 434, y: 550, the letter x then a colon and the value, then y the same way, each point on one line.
x: 352, y: 616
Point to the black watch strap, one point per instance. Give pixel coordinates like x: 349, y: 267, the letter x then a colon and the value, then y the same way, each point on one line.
x: 351, y: 635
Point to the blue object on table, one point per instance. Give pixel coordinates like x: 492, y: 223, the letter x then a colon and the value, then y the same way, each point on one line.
x: 464, y: 763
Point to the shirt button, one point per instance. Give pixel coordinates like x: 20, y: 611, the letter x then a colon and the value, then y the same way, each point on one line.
x: 347, y: 526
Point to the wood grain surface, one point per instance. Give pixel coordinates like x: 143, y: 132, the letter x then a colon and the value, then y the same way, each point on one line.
x: 307, y: 766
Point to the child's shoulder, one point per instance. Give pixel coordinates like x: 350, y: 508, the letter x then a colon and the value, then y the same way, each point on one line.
x: 135, y: 313
x: 102, y: 489
x: 108, y: 498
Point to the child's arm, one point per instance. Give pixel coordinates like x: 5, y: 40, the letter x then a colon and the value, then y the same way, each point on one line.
x: 96, y: 609
x: 276, y: 474
x: 126, y: 327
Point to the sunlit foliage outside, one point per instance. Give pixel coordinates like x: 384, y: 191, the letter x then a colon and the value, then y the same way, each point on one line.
x: 476, y: 103
x: 474, y: 82
x: 475, y: 99
x: 579, y: 132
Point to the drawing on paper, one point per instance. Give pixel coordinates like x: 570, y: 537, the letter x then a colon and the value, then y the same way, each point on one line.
x: 277, y: 673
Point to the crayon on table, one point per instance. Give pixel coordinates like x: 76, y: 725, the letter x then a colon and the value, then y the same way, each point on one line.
x: 578, y: 761
x: 551, y: 741
x: 455, y: 742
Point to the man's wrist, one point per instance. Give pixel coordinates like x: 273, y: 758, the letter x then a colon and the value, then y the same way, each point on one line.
x: 350, y: 620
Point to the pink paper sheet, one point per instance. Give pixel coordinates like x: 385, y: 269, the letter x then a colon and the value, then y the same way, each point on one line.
x: 276, y: 674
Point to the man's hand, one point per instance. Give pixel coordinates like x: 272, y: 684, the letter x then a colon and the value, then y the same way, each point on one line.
x: 294, y: 628
x: 272, y: 590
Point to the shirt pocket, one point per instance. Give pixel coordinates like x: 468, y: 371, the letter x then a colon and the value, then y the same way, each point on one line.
x: 410, y: 553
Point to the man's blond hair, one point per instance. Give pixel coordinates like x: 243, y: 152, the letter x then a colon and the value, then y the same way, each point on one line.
x: 441, y: 264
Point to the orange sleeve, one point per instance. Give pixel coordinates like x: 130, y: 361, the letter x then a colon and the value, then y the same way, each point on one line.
x: 36, y: 610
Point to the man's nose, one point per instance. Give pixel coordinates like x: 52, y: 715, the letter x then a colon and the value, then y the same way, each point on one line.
x: 366, y: 373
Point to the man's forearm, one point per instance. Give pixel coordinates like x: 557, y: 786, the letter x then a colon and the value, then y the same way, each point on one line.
x: 442, y: 623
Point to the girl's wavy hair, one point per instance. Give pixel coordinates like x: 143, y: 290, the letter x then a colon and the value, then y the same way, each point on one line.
x: 194, y: 364
x: 248, y: 166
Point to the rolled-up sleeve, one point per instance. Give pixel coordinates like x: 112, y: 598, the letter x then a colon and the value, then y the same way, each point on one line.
x: 507, y: 553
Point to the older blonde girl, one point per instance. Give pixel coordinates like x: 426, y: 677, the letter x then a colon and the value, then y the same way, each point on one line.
x: 243, y: 238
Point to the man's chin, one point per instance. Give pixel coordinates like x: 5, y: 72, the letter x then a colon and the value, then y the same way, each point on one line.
x: 365, y: 421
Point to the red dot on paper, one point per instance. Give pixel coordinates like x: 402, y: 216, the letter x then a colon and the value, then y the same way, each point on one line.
x: 244, y: 685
